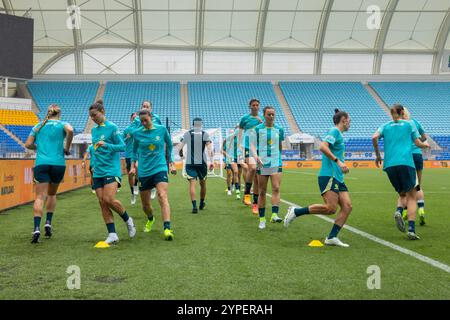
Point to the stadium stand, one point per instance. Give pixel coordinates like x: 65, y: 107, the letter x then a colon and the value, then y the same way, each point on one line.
x: 73, y: 97
x: 19, y: 122
x: 428, y: 102
x: 221, y: 104
x: 8, y: 145
x: 123, y: 98
x: 313, y: 103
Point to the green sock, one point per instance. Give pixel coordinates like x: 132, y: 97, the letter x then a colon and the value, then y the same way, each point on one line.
x: 334, y: 231
x: 301, y: 211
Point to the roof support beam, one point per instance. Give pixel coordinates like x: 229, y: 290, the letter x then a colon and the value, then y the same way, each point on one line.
x: 77, y: 43
x: 138, y: 36
x: 260, y: 35
x: 321, y: 36
x: 8, y: 6
x: 441, y: 40
x: 61, y: 54
x: 382, y: 34
x: 200, y: 24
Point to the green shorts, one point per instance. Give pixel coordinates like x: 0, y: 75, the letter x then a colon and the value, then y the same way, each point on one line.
x: 418, y: 161
x: 269, y: 171
x: 49, y: 174
x: 128, y: 163
x: 331, y: 184
x: 247, y: 153
x: 150, y: 182
x: 196, y: 172
x: 403, y: 178
x: 103, y: 181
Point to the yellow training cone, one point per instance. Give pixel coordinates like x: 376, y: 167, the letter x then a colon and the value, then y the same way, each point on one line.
x: 315, y: 243
x: 102, y: 245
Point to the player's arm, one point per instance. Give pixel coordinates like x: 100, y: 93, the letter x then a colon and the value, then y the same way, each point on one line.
x: 83, y: 163
x: 134, y: 157
x: 69, y: 137
x: 118, y: 145
x: 180, y: 149
x: 375, y: 139
x: 210, y: 152
x: 423, y: 145
x: 325, y: 149
x: 169, y: 144
x: 29, y: 144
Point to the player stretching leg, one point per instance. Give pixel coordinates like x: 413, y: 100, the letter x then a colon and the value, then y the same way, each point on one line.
x: 331, y: 181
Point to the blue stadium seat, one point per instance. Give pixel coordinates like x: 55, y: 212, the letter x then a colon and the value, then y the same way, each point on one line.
x: 7, y: 144
x: 428, y: 102
x: 123, y: 98
x: 313, y: 103
x: 22, y: 132
x: 222, y: 104
x: 74, y: 98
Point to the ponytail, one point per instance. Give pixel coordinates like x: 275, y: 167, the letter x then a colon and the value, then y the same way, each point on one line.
x: 396, y: 111
x: 52, y: 111
x: 338, y: 115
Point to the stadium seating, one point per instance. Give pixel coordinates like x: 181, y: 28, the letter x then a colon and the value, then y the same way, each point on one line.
x: 7, y: 144
x: 22, y: 132
x: 428, y: 102
x: 123, y: 98
x: 19, y: 122
x: 313, y: 104
x: 74, y: 98
x: 222, y: 104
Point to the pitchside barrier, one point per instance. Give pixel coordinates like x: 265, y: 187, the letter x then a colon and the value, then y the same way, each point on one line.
x: 17, y: 187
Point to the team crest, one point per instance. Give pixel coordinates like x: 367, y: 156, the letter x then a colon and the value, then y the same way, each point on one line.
x: 151, y: 147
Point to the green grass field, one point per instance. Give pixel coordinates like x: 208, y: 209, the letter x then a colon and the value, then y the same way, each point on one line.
x: 220, y: 253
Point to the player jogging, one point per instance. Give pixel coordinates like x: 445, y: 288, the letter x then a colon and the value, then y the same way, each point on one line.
x: 90, y: 152
x: 234, y: 160
x: 267, y: 152
x: 47, y: 138
x: 398, y: 163
x: 149, y: 150
x: 331, y: 181
x: 147, y: 105
x: 108, y: 144
x: 128, y: 139
x: 197, y: 142
x: 246, y: 133
x: 418, y: 164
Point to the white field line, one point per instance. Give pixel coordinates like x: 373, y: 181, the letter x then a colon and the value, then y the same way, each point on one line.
x: 315, y: 174
x: 385, y: 243
x: 362, y: 192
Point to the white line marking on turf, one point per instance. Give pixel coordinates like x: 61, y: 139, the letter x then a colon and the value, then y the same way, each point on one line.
x: 359, y: 192
x: 385, y: 243
x: 388, y: 244
x: 315, y: 174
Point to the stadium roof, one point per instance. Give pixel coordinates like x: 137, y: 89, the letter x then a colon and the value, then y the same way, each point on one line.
x: 185, y: 35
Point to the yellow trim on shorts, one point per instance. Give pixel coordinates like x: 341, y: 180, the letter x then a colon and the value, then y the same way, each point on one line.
x: 329, y: 186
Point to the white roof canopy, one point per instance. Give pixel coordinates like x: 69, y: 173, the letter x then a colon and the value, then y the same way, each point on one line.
x: 127, y: 28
